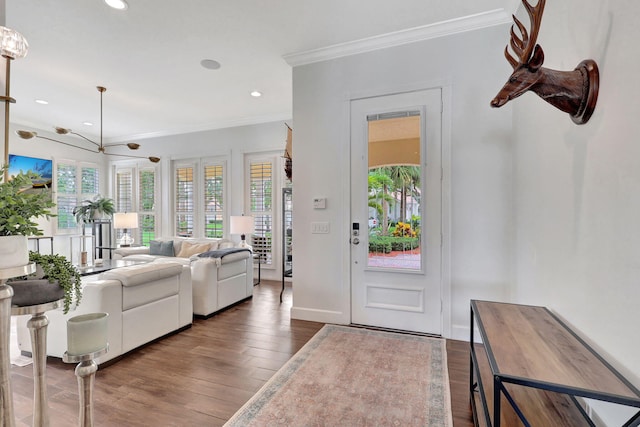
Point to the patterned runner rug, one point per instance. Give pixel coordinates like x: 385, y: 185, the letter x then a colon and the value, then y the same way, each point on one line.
x: 348, y: 376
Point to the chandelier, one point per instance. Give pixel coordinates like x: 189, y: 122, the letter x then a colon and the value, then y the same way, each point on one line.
x: 98, y: 147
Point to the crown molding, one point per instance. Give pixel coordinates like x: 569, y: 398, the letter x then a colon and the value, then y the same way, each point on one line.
x: 398, y: 38
x: 222, y: 124
x: 204, y: 127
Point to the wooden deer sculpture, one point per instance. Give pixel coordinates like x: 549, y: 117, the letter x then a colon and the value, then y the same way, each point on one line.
x: 574, y: 92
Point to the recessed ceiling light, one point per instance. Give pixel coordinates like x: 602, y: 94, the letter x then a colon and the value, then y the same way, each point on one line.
x: 256, y: 94
x: 210, y: 64
x: 87, y: 123
x: 117, y: 4
x: 41, y: 101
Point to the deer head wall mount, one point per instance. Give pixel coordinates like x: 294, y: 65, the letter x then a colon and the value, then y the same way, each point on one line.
x: 574, y: 92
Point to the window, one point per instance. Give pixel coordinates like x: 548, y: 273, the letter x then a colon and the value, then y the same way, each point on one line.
x: 213, y: 201
x: 199, y: 204
x: 184, y: 202
x: 124, y: 190
x: 136, y: 191
x: 147, y: 205
x: 75, y: 182
x: 261, y: 205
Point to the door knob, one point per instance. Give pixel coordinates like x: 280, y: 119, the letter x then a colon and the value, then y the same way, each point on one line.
x: 355, y: 240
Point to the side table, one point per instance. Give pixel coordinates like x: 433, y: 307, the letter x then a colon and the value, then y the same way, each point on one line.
x: 38, y: 330
x: 6, y: 293
x: 86, y: 373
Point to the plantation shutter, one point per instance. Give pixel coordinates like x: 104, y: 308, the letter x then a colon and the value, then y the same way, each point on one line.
x: 66, y: 195
x: 124, y: 195
x: 147, y: 202
x: 124, y: 190
x: 213, y: 201
x: 184, y: 208
x: 89, y: 181
x: 261, y: 207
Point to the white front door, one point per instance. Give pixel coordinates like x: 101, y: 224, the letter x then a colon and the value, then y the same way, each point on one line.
x: 396, y: 187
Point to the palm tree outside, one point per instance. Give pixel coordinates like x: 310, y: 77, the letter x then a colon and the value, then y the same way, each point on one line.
x: 394, y: 199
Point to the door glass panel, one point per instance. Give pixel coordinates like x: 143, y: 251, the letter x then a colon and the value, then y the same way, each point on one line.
x: 394, y: 191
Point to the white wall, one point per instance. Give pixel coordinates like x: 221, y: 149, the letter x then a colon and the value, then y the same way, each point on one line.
x: 471, y: 68
x: 577, y: 187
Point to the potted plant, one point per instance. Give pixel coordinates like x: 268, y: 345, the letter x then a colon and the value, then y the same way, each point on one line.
x: 97, y: 208
x: 37, y: 288
x: 19, y: 206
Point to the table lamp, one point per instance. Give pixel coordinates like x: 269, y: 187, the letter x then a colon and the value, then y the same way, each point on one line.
x: 125, y: 221
x: 242, y: 225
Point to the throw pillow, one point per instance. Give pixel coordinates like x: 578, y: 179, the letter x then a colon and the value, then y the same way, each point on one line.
x: 189, y: 249
x: 226, y: 245
x: 164, y: 248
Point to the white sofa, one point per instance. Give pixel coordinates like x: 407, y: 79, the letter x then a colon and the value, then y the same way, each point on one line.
x: 217, y: 282
x: 144, y: 302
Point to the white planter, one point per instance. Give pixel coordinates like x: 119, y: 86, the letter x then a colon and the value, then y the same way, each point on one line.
x: 86, y: 333
x: 13, y: 251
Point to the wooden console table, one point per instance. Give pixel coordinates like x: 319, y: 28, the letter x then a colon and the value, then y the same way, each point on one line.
x: 531, y: 367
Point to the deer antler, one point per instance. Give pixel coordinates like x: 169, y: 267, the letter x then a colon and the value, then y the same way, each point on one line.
x: 523, y: 47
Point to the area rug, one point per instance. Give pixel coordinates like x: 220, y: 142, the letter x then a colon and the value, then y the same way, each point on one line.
x: 348, y: 376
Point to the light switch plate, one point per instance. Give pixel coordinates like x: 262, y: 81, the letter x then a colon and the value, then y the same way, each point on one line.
x: 319, y: 228
x: 319, y: 203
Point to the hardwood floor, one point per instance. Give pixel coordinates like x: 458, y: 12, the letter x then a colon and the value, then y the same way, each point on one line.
x: 200, y: 376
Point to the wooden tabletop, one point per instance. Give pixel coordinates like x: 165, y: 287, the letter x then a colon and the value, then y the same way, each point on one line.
x: 529, y: 343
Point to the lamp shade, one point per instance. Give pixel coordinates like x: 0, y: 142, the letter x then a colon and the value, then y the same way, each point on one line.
x: 125, y: 220
x: 241, y: 225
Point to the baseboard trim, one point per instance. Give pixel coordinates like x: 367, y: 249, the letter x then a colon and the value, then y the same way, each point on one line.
x: 461, y: 333
x: 322, y: 316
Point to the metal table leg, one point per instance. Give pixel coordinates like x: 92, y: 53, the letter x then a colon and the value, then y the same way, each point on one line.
x: 38, y: 330
x: 6, y: 397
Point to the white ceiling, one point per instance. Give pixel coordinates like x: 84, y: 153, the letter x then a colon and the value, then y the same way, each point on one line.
x: 148, y: 57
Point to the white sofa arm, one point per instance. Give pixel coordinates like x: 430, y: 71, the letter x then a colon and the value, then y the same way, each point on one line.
x: 100, y: 296
x: 123, y: 252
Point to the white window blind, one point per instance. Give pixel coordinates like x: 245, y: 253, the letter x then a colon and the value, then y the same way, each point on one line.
x: 184, y: 201
x: 136, y: 191
x: 124, y: 190
x: 147, y: 203
x: 261, y: 207
x: 89, y: 180
x: 75, y: 182
x: 66, y: 195
x: 214, y: 200
x: 124, y: 197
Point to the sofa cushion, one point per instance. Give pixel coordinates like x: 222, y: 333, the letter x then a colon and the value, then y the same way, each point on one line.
x: 188, y: 249
x: 143, y: 273
x: 160, y: 247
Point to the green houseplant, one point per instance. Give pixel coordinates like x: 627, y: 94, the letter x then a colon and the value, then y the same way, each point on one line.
x: 20, y: 205
x: 96, y: 208
x: 51, y: 269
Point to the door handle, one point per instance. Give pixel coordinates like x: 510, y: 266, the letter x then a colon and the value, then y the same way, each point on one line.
x: 355, y: 241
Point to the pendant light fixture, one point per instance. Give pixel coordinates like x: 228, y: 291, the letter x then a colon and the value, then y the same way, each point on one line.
x: 12, y: 46
x: 98, y: 147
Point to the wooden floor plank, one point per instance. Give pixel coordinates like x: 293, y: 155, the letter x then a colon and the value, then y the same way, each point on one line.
x: 203, y: 375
